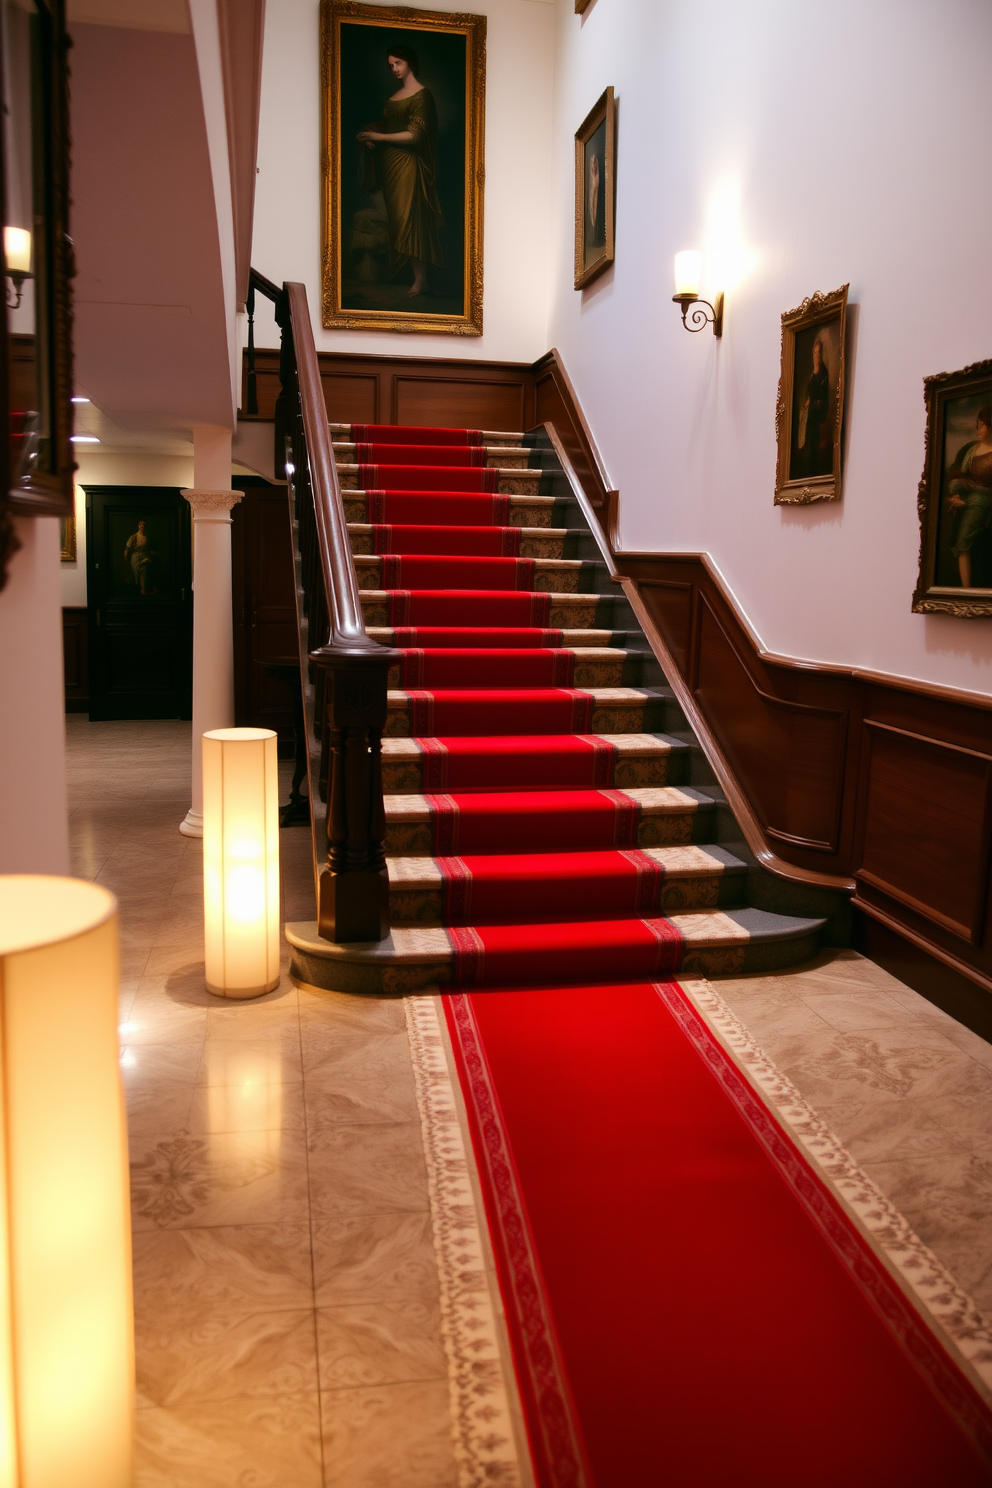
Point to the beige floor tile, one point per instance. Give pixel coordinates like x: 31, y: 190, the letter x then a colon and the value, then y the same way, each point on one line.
x: 362, y: 1014
x: 390, y: 1436
x: 254, y: 1442
x: 876, y: 1129
x: 228, y: 1269
x: 218, y: 1356
x: 376, y: 1343
x: 369, y: 1169
x: 226, y: 1178
x: 155, y: 1109
x: 375, y: 1258
x: 356, y: 1080
x: 261, y: 1100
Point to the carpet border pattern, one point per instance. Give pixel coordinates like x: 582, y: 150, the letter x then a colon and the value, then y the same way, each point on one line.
x: 481, y: 1421
x: 938, y: 1324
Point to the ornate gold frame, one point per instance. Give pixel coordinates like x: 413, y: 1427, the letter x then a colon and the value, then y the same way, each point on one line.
x: 332, y: 13
x: 67, y: 536
x: 817, y: 309
x: 930, y: 598
x: 604, y: 108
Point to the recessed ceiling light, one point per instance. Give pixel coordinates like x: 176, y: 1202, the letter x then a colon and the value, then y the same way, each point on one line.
x: 85, y: 439
x: 80, y: 400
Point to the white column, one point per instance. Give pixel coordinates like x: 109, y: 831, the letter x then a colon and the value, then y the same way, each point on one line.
x: 211, y: 500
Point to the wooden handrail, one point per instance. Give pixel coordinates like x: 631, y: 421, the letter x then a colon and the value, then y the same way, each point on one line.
x: 345, y: 707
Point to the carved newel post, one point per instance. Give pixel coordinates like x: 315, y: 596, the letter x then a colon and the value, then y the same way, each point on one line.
x: 353, y: 893
x: 213, y: 631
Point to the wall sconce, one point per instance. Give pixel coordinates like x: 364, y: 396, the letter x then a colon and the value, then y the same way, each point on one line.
x: 241, y: 861
x: 66, y: 1325
x: 17, y: 258
x: 688, y: 274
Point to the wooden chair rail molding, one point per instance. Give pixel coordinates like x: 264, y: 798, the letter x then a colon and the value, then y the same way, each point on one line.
x: 840, y: 778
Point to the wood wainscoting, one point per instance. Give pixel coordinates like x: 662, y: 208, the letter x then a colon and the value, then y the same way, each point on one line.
x: 839, y: 777
x: 75, y: 659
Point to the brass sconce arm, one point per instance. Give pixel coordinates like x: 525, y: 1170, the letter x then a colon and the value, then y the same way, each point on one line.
x: 696, y: 318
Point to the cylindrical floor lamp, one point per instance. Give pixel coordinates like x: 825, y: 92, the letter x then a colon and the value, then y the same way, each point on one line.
x: 66, y: 1326
x: 241, y: 861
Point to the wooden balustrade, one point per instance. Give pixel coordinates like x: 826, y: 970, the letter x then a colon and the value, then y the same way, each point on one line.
x: 344, y: 677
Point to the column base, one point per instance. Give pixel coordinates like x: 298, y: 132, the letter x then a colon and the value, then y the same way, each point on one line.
x: 192, y: 824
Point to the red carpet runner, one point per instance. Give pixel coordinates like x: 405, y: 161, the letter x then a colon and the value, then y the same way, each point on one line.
x: 688, y: 1305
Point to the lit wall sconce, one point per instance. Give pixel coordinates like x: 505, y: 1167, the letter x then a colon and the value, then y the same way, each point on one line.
x: 66, y: 1326
x: 17, y: 258
x: 241, y: 861
x: 688, y: 275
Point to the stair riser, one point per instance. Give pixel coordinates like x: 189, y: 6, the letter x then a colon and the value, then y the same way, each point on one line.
x: 504, y: 460
x: 514, y: 483
x: 606, y: 719
x: 608, y: 673
x: 541, y: 514
x: 551, y: 580
x: 581, y: 614
x: 530, y: 546
x: 406, y: 777
x: 416, y: 839
x: 420, y: 906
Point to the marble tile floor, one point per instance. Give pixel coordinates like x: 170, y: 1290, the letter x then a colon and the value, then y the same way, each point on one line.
x: 286, y: 1292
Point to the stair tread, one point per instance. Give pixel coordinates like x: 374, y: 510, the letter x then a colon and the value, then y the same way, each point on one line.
x: 629, y: 744
x: 577, y: 640
x: 363, y: 528
x: 493, y: 434
x: 653, y: 800
x: 346, y: 446
x: 690, y: 860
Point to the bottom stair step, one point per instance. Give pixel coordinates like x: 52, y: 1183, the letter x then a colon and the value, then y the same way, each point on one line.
x: 707, y: 943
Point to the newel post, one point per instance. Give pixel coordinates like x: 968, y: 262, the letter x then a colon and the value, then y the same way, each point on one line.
x: 353, y: 888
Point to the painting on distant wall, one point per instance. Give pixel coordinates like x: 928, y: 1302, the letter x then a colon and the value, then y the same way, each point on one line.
x: 809, y: 415
x: 403, y: 128
x: 595, y: 190
x: 955, y: 495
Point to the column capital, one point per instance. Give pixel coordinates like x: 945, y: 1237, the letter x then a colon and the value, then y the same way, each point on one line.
x: 212, y: 506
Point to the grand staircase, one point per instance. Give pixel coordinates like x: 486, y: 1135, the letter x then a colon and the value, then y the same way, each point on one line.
x: 549, y: 815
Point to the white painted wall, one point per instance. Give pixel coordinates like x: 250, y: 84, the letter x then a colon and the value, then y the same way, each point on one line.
x: 844, y: 143
x: 518, y: 163
x: 34, y: 811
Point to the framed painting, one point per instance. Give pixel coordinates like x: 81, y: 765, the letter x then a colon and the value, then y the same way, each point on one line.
x: 595, y: 190
x: 809, y: 414
x: 955, y: 495
x: 67, y: 538
x: 403, y: 95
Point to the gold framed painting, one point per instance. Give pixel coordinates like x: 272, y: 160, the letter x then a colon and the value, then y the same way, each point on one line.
x: 595, y: 190
x: 67, y: 538
x: 955, y: 495
x: 403, y: 104
x: 809, y: 414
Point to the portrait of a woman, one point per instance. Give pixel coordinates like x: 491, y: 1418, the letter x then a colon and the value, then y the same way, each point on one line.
x: 401, y: 162
x: 969, y: 497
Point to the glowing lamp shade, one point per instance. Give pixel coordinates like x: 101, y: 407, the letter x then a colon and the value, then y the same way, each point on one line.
x: 688, y: 272
x: 17, y: 250
x: 66, y: 1327
x: 241, y: 861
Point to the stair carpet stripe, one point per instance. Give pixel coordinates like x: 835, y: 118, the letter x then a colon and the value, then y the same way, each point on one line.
x: 531, y: 803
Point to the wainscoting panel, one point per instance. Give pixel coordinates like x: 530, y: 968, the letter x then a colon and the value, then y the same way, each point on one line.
x: 925, y: 832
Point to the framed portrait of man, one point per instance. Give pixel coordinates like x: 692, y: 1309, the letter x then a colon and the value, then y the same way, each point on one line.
x: 955, y: 495
x: 595, y: 190
x: 403, y: 102
x: 809, y: 414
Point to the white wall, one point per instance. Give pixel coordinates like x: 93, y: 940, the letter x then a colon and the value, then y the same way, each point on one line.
x: 34, y: 812
x: 518, y: 162
x: 842, y: 143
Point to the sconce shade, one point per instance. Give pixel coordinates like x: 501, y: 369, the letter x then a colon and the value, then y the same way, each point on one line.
x: 241, y: 861
x: 66, y: 1319
x: 17, y: 250
x: 688, y: 272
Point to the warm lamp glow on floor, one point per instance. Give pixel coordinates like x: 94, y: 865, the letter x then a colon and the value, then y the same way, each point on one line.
x: 66, y: 1328
x: 241, y: 861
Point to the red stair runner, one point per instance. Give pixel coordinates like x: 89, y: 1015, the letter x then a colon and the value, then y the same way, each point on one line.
x: 687, y: 1302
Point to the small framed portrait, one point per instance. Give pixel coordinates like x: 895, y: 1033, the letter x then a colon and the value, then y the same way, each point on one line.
x: 403, y: 105
x: 595, y: 190
x: 67, y: 538
x: 809, y: 415
x: 955, y: 495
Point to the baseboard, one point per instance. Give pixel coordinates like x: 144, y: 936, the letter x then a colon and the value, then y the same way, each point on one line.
x: 950, y: 990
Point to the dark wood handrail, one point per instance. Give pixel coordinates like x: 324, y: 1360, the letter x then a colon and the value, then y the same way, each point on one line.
x: 344, y: 679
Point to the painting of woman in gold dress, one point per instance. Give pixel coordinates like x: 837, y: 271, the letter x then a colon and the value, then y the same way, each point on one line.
x: 403, y: 97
